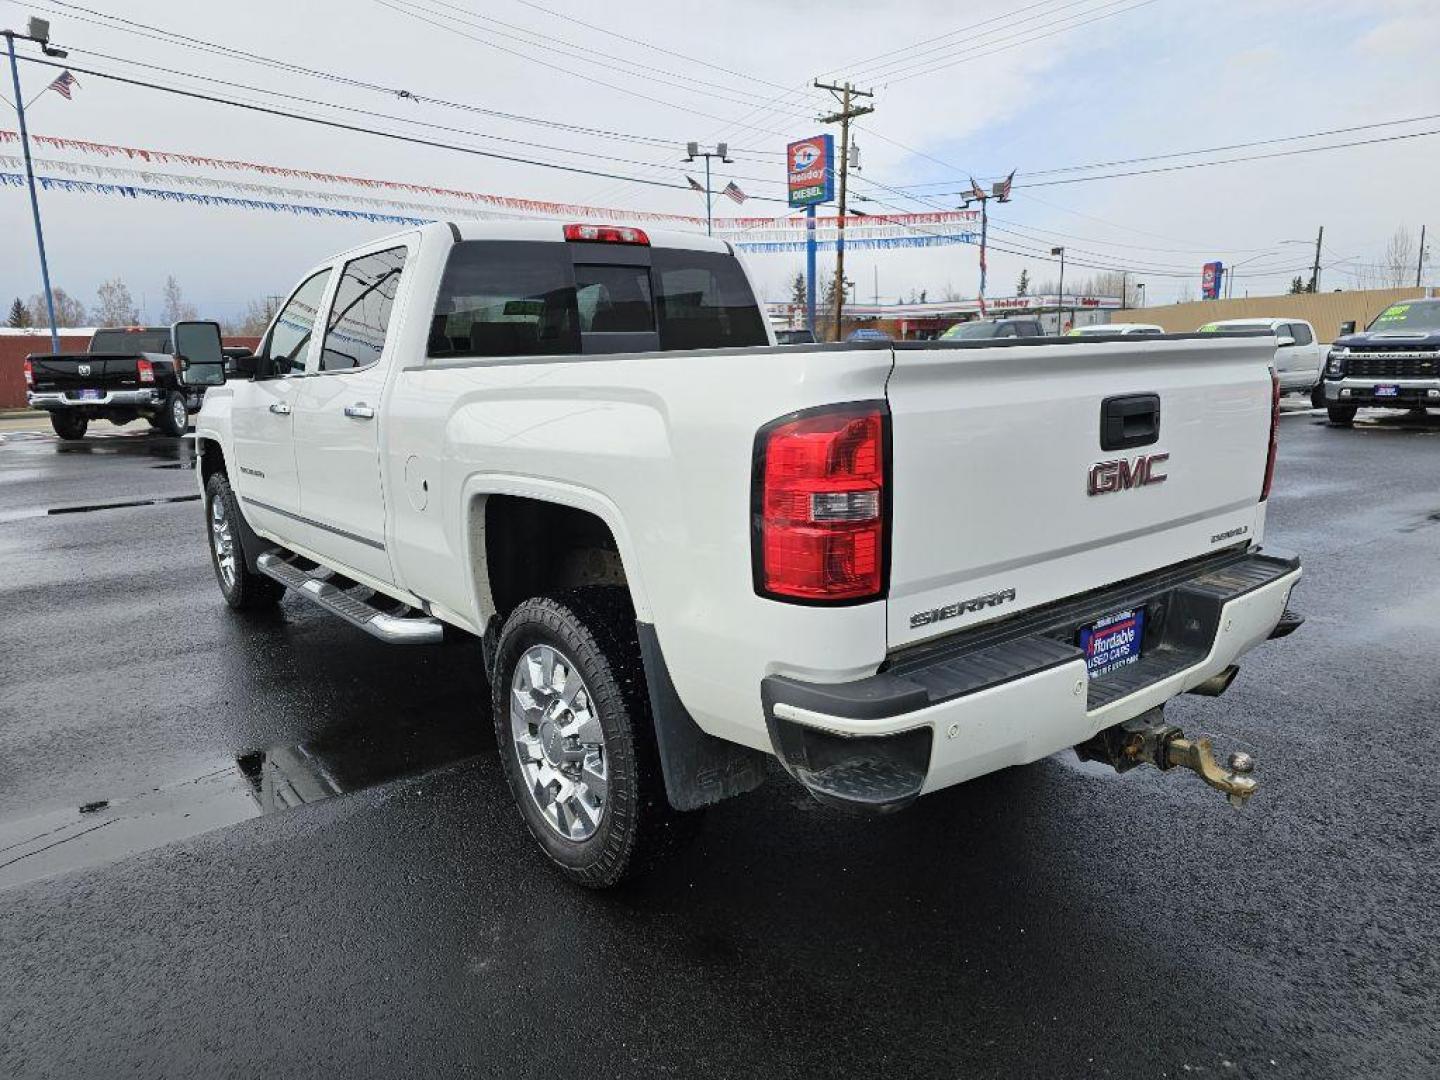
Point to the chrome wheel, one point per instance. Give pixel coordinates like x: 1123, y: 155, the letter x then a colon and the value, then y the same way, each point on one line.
x: 178, y: 416
x: 222, y: 541
x: 559, y: 742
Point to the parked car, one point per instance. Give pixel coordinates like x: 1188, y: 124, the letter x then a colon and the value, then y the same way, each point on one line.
x: 795, y: 337
x: 128, y: 372
x: 1299, y: 356
x: 684, y: 549
x: 1123, y: 329
x: 1393, y: 364
x: 984, y: 329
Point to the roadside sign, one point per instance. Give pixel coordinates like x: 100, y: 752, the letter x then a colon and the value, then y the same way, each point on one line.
x: 810, y: 170
x: 1211, y: 274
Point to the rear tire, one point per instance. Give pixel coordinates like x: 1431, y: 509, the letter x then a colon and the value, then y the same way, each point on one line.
x: 1342, y: 414
x: 68, y: 425
x: 174, y: 419
x: 604, y: 725
x: 243, y: 589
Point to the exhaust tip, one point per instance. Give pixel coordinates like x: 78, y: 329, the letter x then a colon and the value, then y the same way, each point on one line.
x: 1218, y: 683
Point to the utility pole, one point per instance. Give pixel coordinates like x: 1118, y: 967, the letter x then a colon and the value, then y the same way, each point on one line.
x: 38, y: 31
x: 1124, y: 287
x: 1315, y: 270
x: 1420, y: 262
x: 847, y: 113
x: 722, y: 151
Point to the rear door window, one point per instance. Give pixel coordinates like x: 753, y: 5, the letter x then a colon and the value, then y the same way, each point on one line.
x: 1301, y: 333
x: 506, y: 298
x: 360, y: 312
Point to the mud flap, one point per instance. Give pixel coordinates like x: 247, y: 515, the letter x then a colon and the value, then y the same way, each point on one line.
x: 699, y: 769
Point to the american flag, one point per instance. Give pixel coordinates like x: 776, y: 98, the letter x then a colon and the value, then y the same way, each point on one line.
x: 732, y: 189
x: 64, y: 85
x: 695, y: 185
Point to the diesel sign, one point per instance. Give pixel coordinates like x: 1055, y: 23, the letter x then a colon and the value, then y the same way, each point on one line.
x: 1123, y: 474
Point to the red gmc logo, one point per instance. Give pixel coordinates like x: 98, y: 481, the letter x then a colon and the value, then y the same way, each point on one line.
x: 1124, y: 474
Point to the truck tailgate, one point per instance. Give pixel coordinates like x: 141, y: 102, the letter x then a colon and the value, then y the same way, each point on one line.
x: 75, y: 371
x: 992, y: 456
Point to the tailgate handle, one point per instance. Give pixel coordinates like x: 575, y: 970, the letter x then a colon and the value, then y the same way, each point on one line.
x: 1131, y: 420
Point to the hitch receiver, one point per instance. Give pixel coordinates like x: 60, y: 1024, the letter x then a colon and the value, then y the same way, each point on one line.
x: 1148, y: 740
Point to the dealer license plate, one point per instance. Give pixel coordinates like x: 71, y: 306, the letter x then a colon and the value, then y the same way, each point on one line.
x: 1113, y: 642
x: 89, y: 395
x: 1387, y: 391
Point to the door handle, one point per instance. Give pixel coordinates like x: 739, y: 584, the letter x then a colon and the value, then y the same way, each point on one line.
x: 280, y: 409
x: 360, y: 411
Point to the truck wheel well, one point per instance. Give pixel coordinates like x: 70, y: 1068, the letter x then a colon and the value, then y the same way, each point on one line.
x: 211, y: 459
x: 534, y: 548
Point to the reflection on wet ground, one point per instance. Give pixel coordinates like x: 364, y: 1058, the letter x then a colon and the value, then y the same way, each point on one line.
x: 230, y: 791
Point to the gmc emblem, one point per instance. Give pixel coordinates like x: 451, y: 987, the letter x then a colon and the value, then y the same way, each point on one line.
x: 1124, y: 474
x: 83, y: 369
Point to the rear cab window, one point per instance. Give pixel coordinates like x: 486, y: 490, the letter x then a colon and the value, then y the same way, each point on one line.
x: 518, y: 298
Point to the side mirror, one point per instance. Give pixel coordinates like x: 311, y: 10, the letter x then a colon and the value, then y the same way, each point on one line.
x: 1347, y: 327
x: 1284, y: 341
x: 199, y: 358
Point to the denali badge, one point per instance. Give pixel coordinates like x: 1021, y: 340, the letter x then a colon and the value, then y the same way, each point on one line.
x: 83, y: 369
x: 1123, y: 474
x: 963, y: 607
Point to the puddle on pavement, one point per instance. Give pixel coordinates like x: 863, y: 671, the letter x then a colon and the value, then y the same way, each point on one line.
x: 237, y: 789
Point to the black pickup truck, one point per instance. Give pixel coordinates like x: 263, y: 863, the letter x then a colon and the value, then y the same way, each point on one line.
x: 128, y: 373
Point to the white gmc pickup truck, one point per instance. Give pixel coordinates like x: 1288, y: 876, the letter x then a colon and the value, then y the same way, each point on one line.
x: 895, y: 567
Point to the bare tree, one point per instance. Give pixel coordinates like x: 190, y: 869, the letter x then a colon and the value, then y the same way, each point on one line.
x: 175, y: 308
x: 1399, y: 264
x: 68, y: 310
x: 114, y: 305
x: 254, y: 322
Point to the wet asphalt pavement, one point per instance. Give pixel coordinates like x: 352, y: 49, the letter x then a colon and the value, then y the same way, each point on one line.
x: 296, y: 855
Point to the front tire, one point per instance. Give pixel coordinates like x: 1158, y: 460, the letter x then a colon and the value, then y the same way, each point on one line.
x: 1317, y: 396
x: 69, y: 425
x: 1342, y: 414
x: 174, y: 418
x: 243, y: 589
x: 576, y: 739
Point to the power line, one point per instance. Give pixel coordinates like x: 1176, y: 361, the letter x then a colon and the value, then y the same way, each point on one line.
x: 148, y: 31
x: 360, y: 129
x: 904, y: 74
x: 907, y: 62
x: 689, y: 110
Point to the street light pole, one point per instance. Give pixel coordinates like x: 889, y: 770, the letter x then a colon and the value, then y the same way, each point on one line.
x: 40, y: 33
x: 722, y: 151
x: 1060, y: 300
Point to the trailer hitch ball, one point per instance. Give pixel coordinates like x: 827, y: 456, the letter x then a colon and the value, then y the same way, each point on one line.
x: 1148, y: 740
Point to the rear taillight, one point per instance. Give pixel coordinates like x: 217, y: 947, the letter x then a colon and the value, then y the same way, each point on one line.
x: 1274, y: 435
x: 607, y: 234
x: 29, y: 375
x: 145, y: 370
x: 819, y: 505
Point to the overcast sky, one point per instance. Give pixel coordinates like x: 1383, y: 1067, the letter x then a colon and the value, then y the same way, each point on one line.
x: 1039, y: 86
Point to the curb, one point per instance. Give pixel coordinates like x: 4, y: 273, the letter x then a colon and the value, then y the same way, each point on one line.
x: 21, y: 414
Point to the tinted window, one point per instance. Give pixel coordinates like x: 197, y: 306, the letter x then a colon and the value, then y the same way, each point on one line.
x: 704, y: 302
x: 1027, y: 329
x: 506, y: 298
x: 289, y: 337
x: 971, y: 331
x: 1301, y: 333
x: 614, y: 299
x: 1146, y: 331
x: 360, y: 312
x: 131, y: 341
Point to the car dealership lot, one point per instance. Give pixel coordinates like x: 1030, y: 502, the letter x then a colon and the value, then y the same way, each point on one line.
x: 396, y: 919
